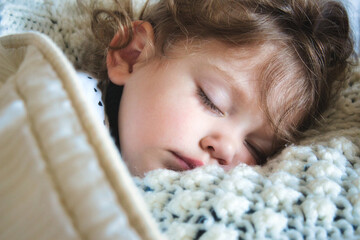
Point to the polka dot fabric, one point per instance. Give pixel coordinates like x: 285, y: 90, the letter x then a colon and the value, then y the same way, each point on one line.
x: 93, y: 94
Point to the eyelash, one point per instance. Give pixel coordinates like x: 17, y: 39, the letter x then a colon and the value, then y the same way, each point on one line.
x: 259, y: 156
x: 208, y: 103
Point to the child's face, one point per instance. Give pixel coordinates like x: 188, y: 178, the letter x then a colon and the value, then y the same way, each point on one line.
x: 191, y: 110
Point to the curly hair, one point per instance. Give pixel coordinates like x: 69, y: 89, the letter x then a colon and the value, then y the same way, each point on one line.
x: 313, y: 39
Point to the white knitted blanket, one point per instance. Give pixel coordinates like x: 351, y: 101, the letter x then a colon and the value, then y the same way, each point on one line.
x: 309, y: 191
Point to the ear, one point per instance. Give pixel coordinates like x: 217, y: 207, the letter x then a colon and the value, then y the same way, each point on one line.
x: 120, y: 62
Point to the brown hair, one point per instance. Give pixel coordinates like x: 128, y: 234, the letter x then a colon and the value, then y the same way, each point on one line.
x: 313, y: 38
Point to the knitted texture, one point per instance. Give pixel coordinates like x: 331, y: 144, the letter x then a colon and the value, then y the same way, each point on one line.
x: 309, y: 191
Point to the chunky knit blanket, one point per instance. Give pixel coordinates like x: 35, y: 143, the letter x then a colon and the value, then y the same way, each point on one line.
x: 309, y: 191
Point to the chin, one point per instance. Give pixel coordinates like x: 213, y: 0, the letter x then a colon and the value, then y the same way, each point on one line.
x: 142, y: 170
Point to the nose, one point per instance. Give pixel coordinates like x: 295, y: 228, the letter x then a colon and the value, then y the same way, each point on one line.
x: 221, y: 148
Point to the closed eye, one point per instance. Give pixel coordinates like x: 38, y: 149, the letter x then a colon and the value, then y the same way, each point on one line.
x: 208, y: 103
x: 259, y: 156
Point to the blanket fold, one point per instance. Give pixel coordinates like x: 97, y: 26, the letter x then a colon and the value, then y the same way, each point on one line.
x: 61, y: 176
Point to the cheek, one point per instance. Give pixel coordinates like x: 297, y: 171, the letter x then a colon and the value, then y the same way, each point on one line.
x: 244, y: 156
x: 169, y: 122
x: 157, y: 120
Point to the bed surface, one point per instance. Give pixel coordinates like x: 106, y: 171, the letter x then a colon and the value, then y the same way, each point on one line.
x: 309, y: 191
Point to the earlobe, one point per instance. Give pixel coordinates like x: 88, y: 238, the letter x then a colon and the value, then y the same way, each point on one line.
x: 121, y: 62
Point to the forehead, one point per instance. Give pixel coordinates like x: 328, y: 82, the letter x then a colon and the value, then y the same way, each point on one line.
x: 270, y: 64
x: 255, y: 58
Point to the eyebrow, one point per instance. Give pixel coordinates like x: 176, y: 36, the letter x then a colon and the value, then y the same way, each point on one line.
x: 233, y: 83
x: 222, y: 72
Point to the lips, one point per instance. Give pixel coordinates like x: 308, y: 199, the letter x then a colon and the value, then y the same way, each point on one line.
x: 187, y: 163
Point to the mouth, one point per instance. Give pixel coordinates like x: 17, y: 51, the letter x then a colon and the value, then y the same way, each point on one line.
x: 186, y: 163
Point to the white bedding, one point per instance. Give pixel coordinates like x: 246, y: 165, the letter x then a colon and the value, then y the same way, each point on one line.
x: 61, y: 176
x: 309, y: 191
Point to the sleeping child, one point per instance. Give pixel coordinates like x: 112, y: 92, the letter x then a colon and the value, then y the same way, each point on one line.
x: 226, y: 82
